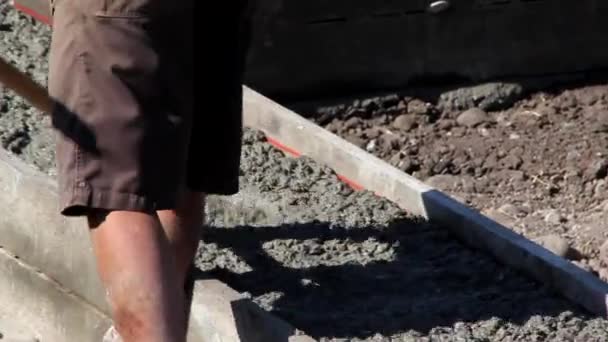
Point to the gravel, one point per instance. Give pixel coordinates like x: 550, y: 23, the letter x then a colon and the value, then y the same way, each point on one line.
x: 338, y: 264
x: 23, y: 130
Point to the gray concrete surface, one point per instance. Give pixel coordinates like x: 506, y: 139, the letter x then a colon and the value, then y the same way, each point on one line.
x: 12, y: 329
x: 31, y: 229
x: 41, y: 308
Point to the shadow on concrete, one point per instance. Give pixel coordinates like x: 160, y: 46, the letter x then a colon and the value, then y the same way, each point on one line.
x: 415, y: 277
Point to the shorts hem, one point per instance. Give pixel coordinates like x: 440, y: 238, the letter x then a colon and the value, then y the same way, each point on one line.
x: 83, y: 200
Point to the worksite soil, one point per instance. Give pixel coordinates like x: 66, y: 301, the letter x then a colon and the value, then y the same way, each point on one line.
x: 535, y: 161
x: 339, y: 265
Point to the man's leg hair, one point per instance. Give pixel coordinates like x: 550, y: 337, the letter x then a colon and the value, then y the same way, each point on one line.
x: 138, y: 269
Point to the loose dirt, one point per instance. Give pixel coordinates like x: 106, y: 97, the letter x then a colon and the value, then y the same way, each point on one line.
x: 535, y: 162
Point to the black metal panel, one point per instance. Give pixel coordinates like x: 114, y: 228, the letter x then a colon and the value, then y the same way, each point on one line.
x: 318, y: 45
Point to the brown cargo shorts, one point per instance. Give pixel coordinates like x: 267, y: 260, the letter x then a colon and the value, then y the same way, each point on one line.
x: 122, y: 74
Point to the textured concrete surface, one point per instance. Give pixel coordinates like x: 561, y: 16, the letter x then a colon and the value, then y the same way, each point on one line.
x: 37, y: 307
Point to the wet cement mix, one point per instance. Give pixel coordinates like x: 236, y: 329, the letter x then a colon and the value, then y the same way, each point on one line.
x: 339, y: 265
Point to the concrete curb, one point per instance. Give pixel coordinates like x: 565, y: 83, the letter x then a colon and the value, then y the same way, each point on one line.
x: 296, y: 135
x: 51, y: 312
x: 221, y: 314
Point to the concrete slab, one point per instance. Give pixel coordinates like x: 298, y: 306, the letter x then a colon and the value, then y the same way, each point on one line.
x: 296, y: 135
x: 31, y: 229
x: 13, y: 330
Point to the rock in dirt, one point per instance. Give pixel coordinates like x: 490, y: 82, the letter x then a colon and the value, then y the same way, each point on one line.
x: 443, y: 182
x: 556, y: 244
x: 499, y: 217
x: 603, y: 274
x: 554, y: 217
x: 489, y: 96
x: 512, y: 210
x: 601, y: 121
x: 352, y: 123
x: 418, y: 107
x: 472, y: 117
x: 604, y: 252
x: 405, y: 122
x: 598, y: 169
x: 357, y: 141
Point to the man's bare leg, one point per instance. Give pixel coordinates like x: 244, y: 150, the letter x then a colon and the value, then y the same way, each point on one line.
x: 183, y: 227
x: 137, y: 267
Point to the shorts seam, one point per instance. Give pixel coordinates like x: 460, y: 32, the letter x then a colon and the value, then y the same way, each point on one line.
x: 85, y: 199
x: 120, y: 15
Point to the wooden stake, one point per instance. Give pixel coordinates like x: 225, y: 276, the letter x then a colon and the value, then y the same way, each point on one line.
x: 25, y: 86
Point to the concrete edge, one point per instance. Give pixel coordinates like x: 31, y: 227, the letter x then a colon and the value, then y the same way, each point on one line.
x: 219, y: 313
x: 32, y: 229
x: 297, y: 135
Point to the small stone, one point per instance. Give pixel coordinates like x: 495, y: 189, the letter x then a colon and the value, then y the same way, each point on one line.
x: 604, y: 252
x: 390, y: 101
x: 601, y: 124
x: 352, y: 123
x: 405, y: 122
x: 408, y: 165
x: 417, y: 107
x: 396, y: 158
x: 603, y: 274
x: 554, y: 217
x: 555, y: 244
x: 355, y: 140
x: 472, y: 117
x: 443, y: 182
x: 597, y: 170
x: 511, y: 210
x: 484, y: 132
x: 499, y: 217
x: 594, y: 264
x: 371, y: 145
x: 511, y: 162
x: 370, y: 104
x: 372, y: 133
x: 389, y: 142
x: 583, y: 265
x: 446, y: 124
